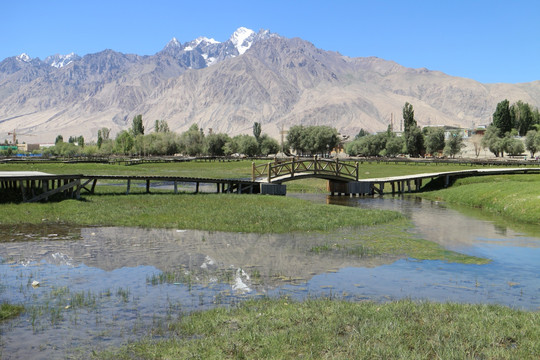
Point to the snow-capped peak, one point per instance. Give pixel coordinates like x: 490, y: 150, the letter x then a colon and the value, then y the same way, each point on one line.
x: 24, y: 57
x: 200, y: 40
x: 242, y: 39
x: 59, y: 60
x: 173, y: 43
x: 206, y: 40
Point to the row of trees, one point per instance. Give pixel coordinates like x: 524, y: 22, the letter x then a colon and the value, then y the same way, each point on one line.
x: 509, y: 121
x: 414, y: 141
x: 519, y: 116
x: 312, y: 140
x: 162, y: 141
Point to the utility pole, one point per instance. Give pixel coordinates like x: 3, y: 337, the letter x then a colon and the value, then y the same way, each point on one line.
x: 283, y: 132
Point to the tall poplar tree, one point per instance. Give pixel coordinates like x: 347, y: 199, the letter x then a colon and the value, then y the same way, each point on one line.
x: 501, y: 117
x: 137, y: 127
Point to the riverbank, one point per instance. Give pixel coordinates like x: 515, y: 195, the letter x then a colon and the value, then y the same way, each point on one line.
x: 514, y: 197
x: 380, y: 232
x: 324, y: 328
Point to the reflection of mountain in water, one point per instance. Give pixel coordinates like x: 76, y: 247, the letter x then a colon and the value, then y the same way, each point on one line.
x: 272, y: 257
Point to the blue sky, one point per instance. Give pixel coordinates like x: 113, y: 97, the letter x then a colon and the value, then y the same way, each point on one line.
x: 489, y: 41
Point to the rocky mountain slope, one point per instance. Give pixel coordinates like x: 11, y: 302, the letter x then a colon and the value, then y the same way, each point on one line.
x: 229, y: 85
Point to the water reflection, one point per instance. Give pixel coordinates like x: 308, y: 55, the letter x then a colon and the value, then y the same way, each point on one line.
x: 105, y: 286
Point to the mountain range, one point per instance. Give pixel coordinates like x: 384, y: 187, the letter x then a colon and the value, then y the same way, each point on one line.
x: 227, y: 86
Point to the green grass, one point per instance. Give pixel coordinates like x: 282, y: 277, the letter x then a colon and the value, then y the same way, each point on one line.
x: 333, y: 329
x: 8, y: 311
x: 202, y: 169
x: 380, y: 232
x: 515, y: 197
x: 213, y: 212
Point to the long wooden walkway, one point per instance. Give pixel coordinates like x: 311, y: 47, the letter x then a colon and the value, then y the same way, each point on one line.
x: 33, y: 186
x: 236, y: 186
x: 413, y: 183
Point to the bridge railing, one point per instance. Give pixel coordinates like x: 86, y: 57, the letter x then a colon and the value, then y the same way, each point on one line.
x: 318, y: 167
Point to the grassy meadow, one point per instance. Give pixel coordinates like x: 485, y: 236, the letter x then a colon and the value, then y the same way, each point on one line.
x: 513, y: 197
x: 334, y: 329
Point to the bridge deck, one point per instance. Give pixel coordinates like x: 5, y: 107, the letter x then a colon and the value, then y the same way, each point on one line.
x: 398, y: 183
x: 34, y: 186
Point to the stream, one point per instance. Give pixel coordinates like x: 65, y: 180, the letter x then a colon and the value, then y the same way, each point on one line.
x: 86, y: 289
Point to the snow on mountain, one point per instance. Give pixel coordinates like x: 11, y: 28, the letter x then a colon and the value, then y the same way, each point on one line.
x: 242, y: 39
x: 199, y: 41
x: 59, y: 60
x: 24, y: 57
x: 174, y: 43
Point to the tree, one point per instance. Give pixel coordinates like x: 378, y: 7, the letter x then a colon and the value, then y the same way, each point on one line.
x: 522, y: 117
x: 99, y: 139
x: 408, y: 118
x: 414, y: 140
x: 246, y: 145
x: 268, y: 145
x: 161, y: 126
x: 394, y: 145
x: 501, y: 117
x: 215, y: 143
x: 192, y: 141
x: 532, y: 142
x: 294, y: 138
x: 492, y: 141
x: 257, y: 130
x: 312, y: 139
x: 137, y: 127
x: 103, y: 135
x: 513, y: 146
x: 454, y: 144
x: 434, y: 140
x: 476, y: 140
x: 123, y: 143
x: 58, y: 139
x: 80, y: 141
x: 370, y: 145
x: 361, y: 133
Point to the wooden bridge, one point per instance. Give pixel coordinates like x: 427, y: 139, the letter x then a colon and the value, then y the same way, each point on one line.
x: 279, y: 172
x: 343, y: 177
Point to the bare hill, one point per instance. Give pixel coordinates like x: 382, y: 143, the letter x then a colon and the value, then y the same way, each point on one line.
x: 227, y: 86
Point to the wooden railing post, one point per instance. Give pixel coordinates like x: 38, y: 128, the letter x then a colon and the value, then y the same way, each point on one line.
x: 315, y: 165
x: 356, y: 170
x: 292, y: 168
x: 337, y: 167
x: 269, y: 172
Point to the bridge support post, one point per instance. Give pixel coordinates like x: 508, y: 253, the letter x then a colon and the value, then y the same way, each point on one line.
x: 273, y: 189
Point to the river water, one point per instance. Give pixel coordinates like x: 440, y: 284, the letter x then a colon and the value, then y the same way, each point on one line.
x: 101, y: 287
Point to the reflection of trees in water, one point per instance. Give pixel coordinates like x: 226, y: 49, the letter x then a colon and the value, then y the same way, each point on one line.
x: 435, y: 222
